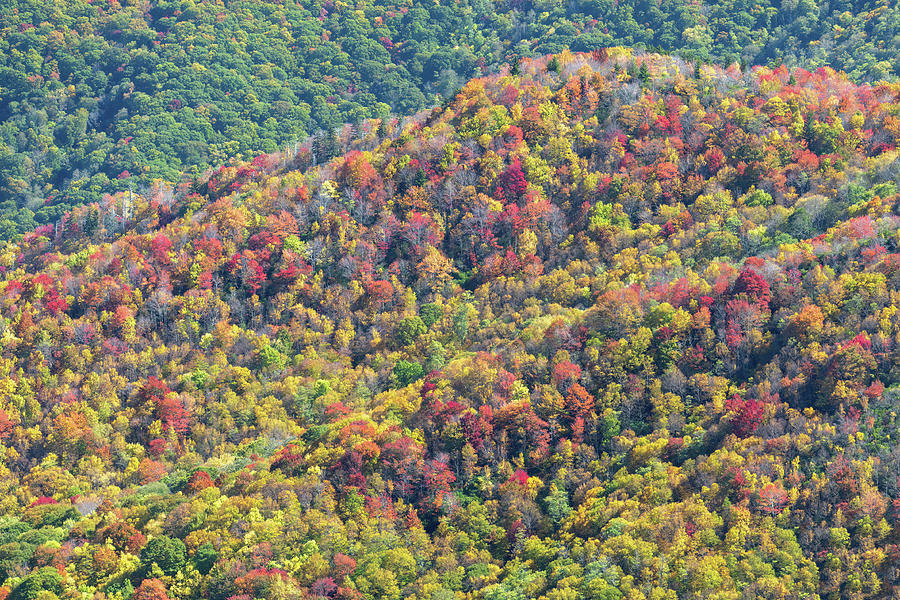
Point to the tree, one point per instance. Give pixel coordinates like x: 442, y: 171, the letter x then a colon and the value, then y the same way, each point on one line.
x: 410, y: 329
x: 643, y: 74
x: 752, y: 285
x: 747, y: 413
x: 406, y: 372
x: 430, y: 314
x: 772, y: 499
x: 123, y: 536
x: 199, y: 481
x: 558, y: 503
x: 579, y: 403
x: 166, y: 553
x: 6, y: 425
x: 37, y: 583
x: 204, y: 558
x: 151, y: 589
x: 511, y: 184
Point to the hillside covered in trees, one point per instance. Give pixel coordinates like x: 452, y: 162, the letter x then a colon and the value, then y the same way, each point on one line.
x: 614, y: 326
x: 105, y: 96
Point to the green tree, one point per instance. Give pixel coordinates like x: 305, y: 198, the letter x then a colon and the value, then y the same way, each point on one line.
x: 37, y: 584
x: 410, y: 329
x: 165, y: 552
x: 406, y: 372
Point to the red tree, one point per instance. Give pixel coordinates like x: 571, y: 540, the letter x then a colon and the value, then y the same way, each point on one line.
x: 200, y: 480
x: 511, y: 183
x: 159, y: 249
x: 151, y: 589
x: 754, y: 286
x: 5, y: 425
x: 748, y: 415
x: 168, y: 407
x: 772, y: 499
x: 579, y: 402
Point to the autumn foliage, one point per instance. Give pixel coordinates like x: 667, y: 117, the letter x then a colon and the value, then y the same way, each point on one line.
x: 610, y: 325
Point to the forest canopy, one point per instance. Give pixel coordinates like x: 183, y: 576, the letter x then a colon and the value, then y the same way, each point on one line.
x: 615, y: 325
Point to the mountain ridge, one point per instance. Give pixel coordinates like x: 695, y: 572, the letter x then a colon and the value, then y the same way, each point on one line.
x: 105, y: 97
x: 612, y: 326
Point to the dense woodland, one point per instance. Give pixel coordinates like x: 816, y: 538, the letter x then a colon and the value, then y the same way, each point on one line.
x: 610, y: 326
x: 99, y: 96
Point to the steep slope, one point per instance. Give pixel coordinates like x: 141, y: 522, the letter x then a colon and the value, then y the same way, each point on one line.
x: 570, y: 335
